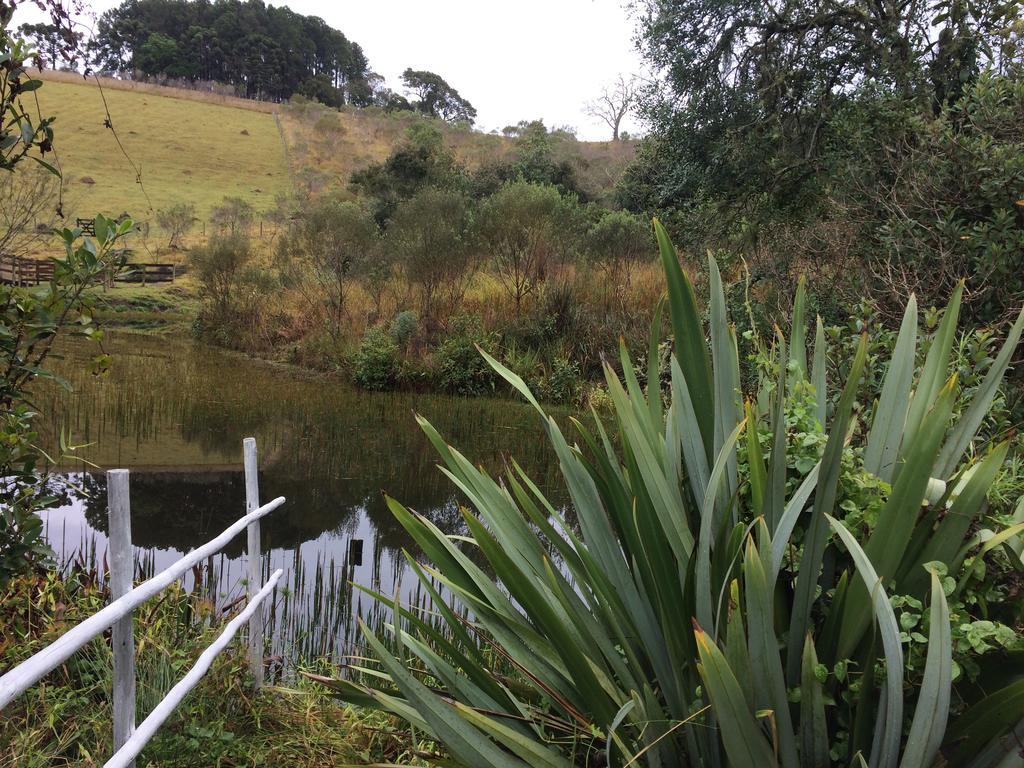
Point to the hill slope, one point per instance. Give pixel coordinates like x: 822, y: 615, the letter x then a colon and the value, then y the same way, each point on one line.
x: 199, y: 147
x: 188, y: 150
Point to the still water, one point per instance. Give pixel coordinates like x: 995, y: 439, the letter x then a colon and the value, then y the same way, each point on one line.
x: 175, y: 412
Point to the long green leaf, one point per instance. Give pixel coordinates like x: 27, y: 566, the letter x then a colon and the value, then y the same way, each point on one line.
x: 690, y: 346
x: 967, y: 426
x: 744, y: 742
x: 890, y: 721
x: 890, y: 417
x: 929, y: 724
x: 462, y: 738
x: 813, y: 725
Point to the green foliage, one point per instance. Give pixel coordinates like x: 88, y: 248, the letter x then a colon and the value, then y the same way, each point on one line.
x: 796, y: 139
x: 333, y: 242
x: 944, y: 202
x: 403, y: 328
x: 459, y: 368
x: 233, y: 216
x: 431, y: 235
x: 710, y: 598
x: 436, y: 98
x: 219, y: 266
x: 21, y: 133
x: 176, y: 221
x: 375, y: 364
x: 421, y: 161
x: 247, y: 45
x: 526, y: 229
x: 562, y: 382
x: 30, y: 321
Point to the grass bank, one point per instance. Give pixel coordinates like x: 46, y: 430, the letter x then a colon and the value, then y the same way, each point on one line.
x: 66, y: 719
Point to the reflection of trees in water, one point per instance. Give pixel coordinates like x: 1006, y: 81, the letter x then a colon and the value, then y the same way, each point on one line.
x: 329, y: 449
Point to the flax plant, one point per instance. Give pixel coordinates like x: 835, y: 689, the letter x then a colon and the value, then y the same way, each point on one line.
x: 697, y: 604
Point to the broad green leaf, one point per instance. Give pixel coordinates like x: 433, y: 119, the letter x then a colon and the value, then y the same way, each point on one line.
x: 967, y: 425
x: 818, y: 372
x: 814, y: 745
x: 798, y: 333
x: 932, y: 376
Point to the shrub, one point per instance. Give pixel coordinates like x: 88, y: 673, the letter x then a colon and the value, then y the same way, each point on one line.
x: 690, y: 613
x: 460, y: 369
x: 403, y: 328
x: 375, y: 363
x: 562, y: 383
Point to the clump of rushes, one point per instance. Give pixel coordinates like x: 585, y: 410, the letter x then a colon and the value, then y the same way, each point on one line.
x: 704, y: 602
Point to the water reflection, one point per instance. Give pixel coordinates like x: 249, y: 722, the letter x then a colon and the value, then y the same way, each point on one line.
x: 175, y: 414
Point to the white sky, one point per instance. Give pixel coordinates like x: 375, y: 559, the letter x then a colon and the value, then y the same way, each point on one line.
x: 512, y: 59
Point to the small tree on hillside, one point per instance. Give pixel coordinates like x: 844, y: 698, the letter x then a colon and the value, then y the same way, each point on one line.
x: 526, y: 228
x: 27, y: 209
x: 431, y: 236
x: 219, y: 265
x: 336, y: 240
x: 617, y: 243
x: 614, y: 103
x: 176, y: 221
x: 233, y: 216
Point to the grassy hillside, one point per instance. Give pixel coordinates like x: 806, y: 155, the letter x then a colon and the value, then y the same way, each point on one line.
x: 338, y: 143
x: 199, y: 147
x: 188, y: 149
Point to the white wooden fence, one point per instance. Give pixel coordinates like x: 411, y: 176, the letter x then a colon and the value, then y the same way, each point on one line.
x: 129, y: 740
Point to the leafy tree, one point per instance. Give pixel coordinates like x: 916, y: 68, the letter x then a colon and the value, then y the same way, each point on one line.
x: 436, y: 98
x: 263, y: 50
x: 618, y: 242
x: 420, y: 161
x: 219, y: 265
x: 526, y: 229
x: 335, y: 240
x: 176, y: 221
x: 431, y: 235
x: 233, y: 216
x: 744, y: 112
x: 53, y: 44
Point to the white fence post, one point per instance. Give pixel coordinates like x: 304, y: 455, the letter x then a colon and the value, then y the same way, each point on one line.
x: 252, y: 559
x: 122, y: 573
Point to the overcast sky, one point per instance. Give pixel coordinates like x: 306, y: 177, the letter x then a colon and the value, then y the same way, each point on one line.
x: 518, y: 60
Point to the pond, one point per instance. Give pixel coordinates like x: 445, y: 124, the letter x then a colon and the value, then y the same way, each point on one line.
x: 175, y: 413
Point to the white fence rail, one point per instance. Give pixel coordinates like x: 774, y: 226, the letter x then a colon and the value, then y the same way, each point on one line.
x: 128, y: 740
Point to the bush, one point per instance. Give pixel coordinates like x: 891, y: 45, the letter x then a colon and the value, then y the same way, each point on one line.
x: 375, y: 363
x: 739, y: 583
x: 459, y: 368
x: 562, y: 383
x: 403, y: 328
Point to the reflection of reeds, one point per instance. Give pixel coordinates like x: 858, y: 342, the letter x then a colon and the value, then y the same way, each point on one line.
x: 175, y: 413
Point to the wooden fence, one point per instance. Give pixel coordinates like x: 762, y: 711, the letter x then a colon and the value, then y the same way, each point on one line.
x: 25, y: 272
x: 129, y: 740
x: 148, y: 273
x: 29, y: 272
